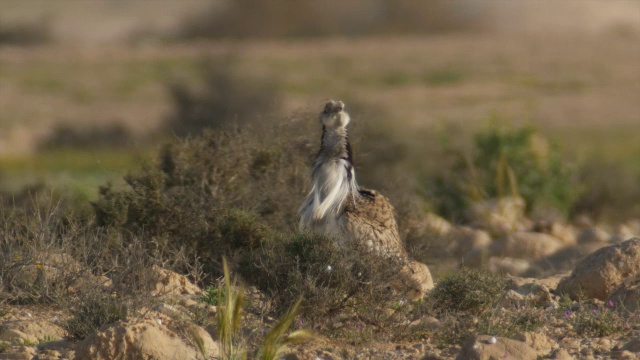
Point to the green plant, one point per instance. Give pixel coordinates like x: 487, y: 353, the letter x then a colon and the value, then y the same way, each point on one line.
x: 275, y: 342
x: 507, y: 162
x: 230, y: 319
x: 213, y: 295
x: 596, y: 321
x: 509, y: 322
x: 466, y: 291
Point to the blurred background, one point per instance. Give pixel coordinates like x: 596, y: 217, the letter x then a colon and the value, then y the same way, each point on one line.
x: 91, y: 89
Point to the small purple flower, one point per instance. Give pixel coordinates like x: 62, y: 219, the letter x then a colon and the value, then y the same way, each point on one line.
x: 595, y: 311
x: 568, y: 313
x: 359, y: 326
x: 611, y: 304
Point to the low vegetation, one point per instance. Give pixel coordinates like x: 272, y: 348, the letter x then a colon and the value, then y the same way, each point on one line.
x: 506, y: 162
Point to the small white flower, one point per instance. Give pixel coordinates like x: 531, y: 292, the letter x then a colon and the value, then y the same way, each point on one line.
x: 159, y: 321
x: 328, y: 267
x: 492, y: 340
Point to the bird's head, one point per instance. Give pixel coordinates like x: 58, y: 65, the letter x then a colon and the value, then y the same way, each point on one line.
x: 333, y: 115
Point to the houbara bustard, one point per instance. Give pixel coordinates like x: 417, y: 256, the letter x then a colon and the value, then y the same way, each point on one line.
x: 362, y: 218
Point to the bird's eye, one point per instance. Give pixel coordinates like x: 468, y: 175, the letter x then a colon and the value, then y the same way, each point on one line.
x: 327, y: 109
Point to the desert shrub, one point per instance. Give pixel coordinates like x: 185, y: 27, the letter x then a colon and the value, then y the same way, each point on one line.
x: 509, y: 322
x: 465, y: 291
x: 503, y: 163
x: 93, y: 310
x: 610, y: 191
x: 33, y: 267
x: 262, y: 18
x: 212, y: 195
x: 224, y: 97
x: 33, y: 33
x: 597, y: 321
x: 454, y: 331
x: 69, y: 136
x: 332, y: 280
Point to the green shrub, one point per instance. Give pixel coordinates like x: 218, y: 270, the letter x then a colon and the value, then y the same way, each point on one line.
x: 506, y: 162
x: 465, y: 291
x: 212, y: 195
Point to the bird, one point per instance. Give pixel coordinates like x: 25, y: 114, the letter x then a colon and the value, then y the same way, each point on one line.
x: 364, y: 219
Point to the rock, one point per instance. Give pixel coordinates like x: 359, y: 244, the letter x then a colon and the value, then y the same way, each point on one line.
x: 526, y: 245
x: 508, y: 265
x: 567, y: 234
x: 626, y: 355
x: 436, y: 225
x: 538, y: 341
x: 623, y: 232
x: 633, y: 345
x: 163, y: 282
x: 528, y: 294
x: 561, y: 354
x: 499, y: 216
x: 463, y: 239
x: 24, y: 353
x: 604, y: 270
x: 143, y: 339
x: 17, y: 337
x: 627, y: 295
x: 593, y: 234
x: 37, y: 330
x: 479, y: 348
x: 563, y: 260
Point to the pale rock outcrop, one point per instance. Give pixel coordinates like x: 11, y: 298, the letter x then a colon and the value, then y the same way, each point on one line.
x: 145, y: 339
x: 508, y: 265
x: 603, y: 271
x: 526, y: 245
x: 632, y: 345
x: 163, y: 282
x: 463, y: 239
x: 482, y: 348
x: 31, y: 331
x: 528, y: 293
x: 564, y: 260
x: 562, y: 354
x: 499, y: 216
x: 593, y: 234
x: 566, y: 233
x: 540, y: 342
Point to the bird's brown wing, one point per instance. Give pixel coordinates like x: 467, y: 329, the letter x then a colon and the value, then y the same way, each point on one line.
x: 370, y: 221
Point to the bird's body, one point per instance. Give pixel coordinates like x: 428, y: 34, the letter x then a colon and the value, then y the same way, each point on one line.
x: 337, y: 206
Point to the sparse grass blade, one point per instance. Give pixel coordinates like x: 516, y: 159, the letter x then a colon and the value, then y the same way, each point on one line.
x: 275, y: 342
x: 230, y: 319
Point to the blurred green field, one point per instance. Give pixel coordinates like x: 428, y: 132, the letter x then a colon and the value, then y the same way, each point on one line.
x: 579, y: 90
